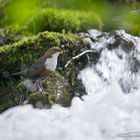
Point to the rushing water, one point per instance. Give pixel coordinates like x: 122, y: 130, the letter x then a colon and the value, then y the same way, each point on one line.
x: 109, y: 111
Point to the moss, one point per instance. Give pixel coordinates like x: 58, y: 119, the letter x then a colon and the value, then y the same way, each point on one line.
x: 9, y: 36
x: 59, y: 86
x: 64, y: 20
x: 10, y: 96
x: 41, y: 100
x: 58, y: 90
x: 27, y: 50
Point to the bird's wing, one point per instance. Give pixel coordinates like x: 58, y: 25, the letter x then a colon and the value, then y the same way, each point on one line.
x: 35, y: 68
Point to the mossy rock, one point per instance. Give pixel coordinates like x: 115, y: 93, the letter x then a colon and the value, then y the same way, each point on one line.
x: 59, y: 86
x: 11, y: 96
x: 58, y: 90
x: 27, y: 50
x: 41, y: 100
x: 60, y: 20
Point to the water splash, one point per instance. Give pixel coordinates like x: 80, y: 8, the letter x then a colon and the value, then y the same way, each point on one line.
x: 119, y: 58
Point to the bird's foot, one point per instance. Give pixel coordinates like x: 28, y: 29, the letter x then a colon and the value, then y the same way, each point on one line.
x: 40, y: 87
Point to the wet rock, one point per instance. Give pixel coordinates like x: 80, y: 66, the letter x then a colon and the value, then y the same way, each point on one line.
x: 119, y: 58
x: 57, y: 90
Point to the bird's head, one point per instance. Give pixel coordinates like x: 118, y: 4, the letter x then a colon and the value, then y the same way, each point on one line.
x: 53, y: 50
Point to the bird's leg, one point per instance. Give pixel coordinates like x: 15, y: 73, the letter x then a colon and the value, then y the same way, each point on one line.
x: 27, y: 90
x: 40, y: 84
x: 40, y: 88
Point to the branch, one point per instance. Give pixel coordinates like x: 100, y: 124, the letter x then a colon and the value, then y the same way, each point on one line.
x: 77, y: 56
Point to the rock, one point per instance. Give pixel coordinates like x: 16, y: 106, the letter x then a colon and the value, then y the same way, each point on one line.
x: 58, y: 90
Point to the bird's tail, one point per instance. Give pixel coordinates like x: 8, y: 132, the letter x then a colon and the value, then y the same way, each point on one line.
x: 19, y: 73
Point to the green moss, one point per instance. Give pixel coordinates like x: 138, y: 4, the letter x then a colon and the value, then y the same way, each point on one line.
x: 10, y: 96
x: 64, y: 20
x: 41, y: 100
x: 27, y: 50
x: 59, y: 86
x: 9, y: 36
x: 57, y: 91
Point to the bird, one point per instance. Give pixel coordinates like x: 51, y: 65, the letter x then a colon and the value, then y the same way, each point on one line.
x: 42, y: 68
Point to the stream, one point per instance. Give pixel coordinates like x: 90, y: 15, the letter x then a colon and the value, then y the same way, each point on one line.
x: 109, y: 111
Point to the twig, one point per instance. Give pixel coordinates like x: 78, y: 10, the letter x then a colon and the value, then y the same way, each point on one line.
x: 77, y: 56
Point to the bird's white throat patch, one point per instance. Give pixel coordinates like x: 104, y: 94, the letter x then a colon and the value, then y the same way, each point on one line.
x: 51, y: 63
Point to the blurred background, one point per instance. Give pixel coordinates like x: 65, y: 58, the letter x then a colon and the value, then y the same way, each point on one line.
x: 66, y: 15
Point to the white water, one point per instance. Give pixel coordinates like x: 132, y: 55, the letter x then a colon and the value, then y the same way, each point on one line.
x: 105, y: 113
